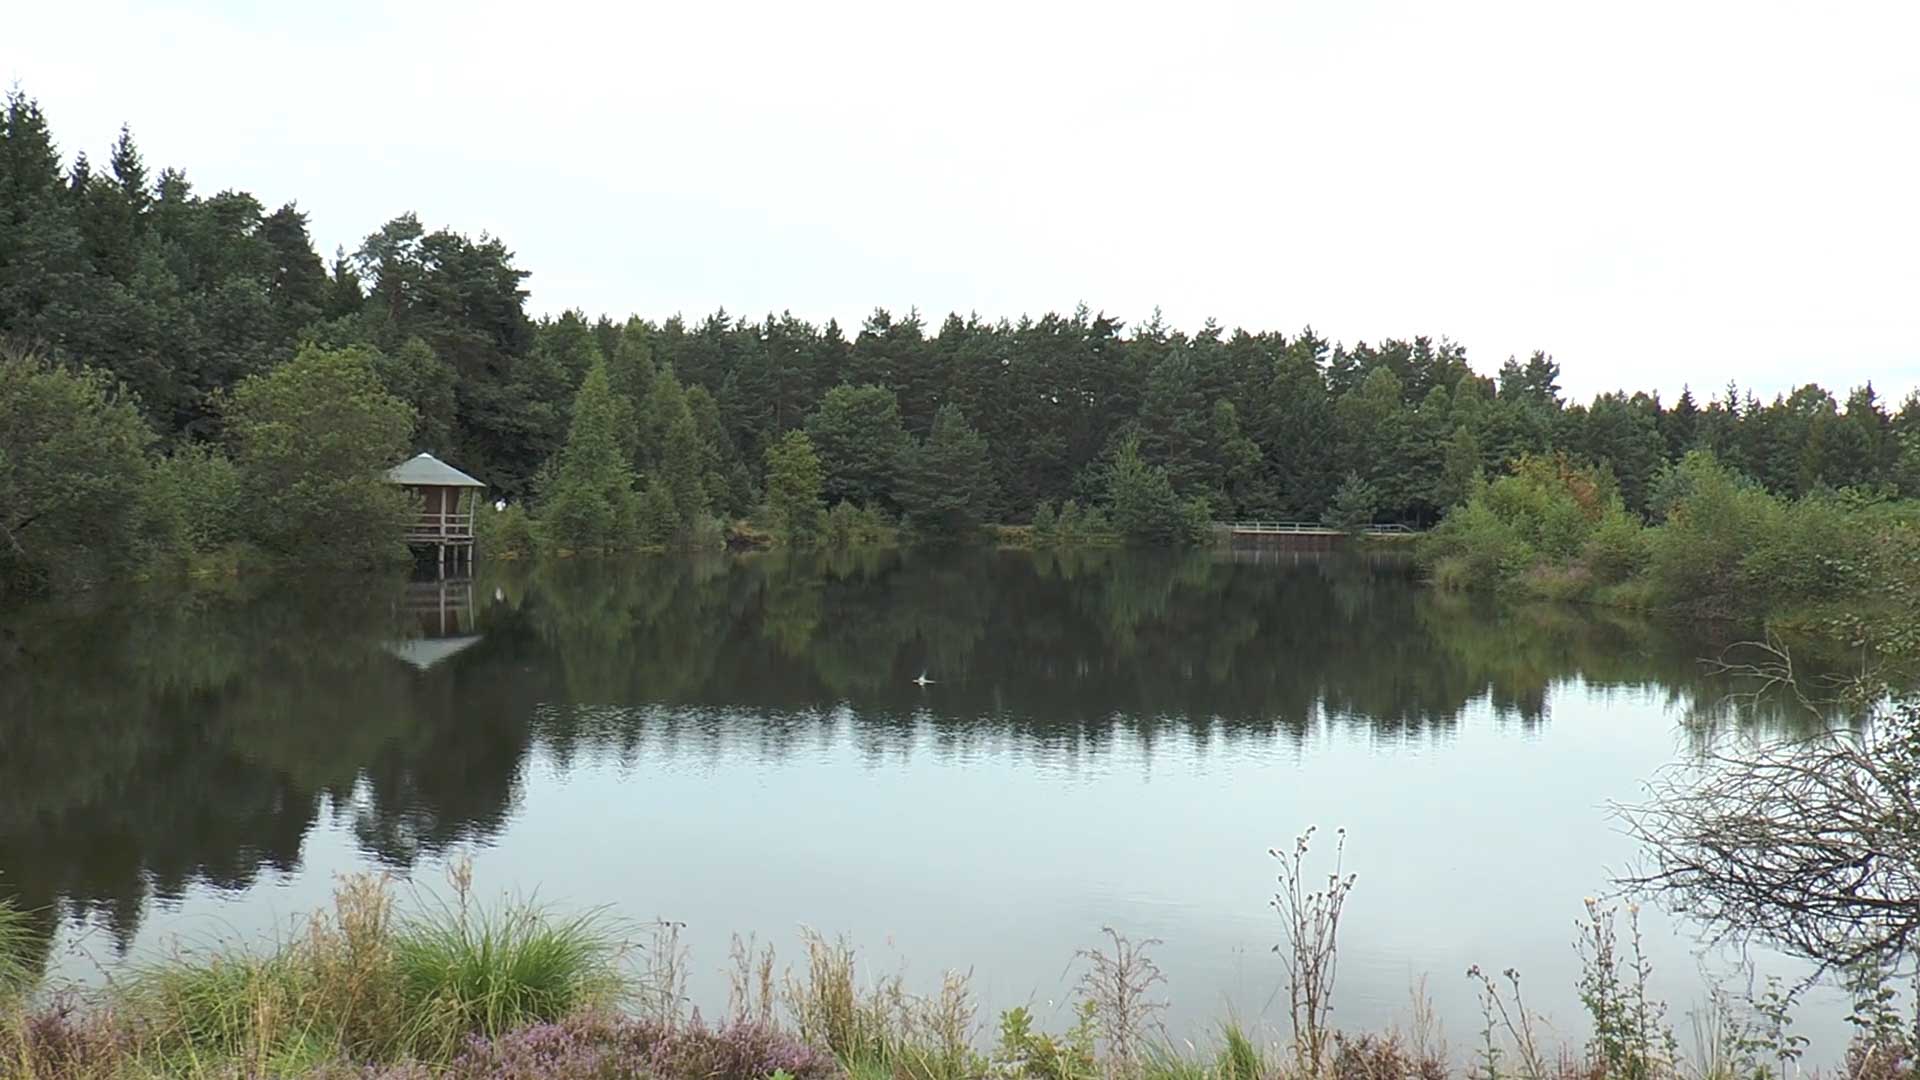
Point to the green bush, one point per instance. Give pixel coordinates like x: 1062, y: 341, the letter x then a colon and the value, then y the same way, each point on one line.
x: 1045, y: 524
x: 312, y: 440
x: 1550, y: 528
x: 503, y: 534
x: 1481, y: 550
x: 73, y: 476
x: 1145, y: 508
x: 1025, y: 1053
x: 1450, y: 574
x: 1617, y: 549
x: 1817, y: 548
x: 1558, y: 582
x: 1695, y: 557
x: 205, y: 487
x: 852, y: 526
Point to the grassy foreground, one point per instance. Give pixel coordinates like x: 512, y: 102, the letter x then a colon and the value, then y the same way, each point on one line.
x: 513, y: 992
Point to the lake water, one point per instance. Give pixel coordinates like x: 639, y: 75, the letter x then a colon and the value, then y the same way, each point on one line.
x: 1108, y: 739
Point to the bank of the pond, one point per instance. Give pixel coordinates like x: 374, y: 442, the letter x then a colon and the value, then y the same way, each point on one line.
x: 381, y: 987
x: 1844, y: 565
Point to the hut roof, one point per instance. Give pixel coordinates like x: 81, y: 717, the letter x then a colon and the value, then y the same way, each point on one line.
x: 425, y: 470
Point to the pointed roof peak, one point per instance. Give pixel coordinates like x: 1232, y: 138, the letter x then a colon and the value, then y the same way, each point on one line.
x: 425, y: 470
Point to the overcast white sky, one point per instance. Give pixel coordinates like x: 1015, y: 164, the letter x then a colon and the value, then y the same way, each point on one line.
x: 1657, y: 193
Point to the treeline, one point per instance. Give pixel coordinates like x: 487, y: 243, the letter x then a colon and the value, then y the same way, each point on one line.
x: 179, y: 297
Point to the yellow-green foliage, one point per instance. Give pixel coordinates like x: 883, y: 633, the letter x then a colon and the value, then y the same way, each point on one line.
x: 850, y: 526
x: 1547, y: 511
x: 504, y: 534
x: 1071, y: 527
x: 1721, y: 546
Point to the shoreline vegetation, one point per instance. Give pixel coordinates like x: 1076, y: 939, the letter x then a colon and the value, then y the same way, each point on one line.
x: 460, y: 988
x: 188, y: 387
x: 1843, y: 565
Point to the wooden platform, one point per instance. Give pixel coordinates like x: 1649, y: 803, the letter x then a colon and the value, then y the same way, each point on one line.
x: 1239, y: 529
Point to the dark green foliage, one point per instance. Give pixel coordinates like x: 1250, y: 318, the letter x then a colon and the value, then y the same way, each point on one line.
x: 1072, y: 527
x: 946, y: 481
x: 659, y: 519
x: 684, y: 471
x: 794, y: 484
x: 200, y: 488
x: 416, y: 376
x: 312, y: 440
x: 504, y: 534
x: 1044, y: 523
x: 850, y: 526
x: 1145, y: 508
x: 590, y: 505
x: 73, y: 476
x: 1352, y: 507
x: 860, y: 440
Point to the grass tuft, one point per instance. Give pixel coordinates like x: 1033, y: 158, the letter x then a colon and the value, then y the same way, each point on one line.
x: 17, y: 970
x: 471, y: 970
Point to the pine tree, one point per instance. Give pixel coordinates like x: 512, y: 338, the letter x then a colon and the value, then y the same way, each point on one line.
x: 859, y: 437
x: 659, y: 518
x: 681, y: 470
x: 429, y: 385
x: 1681, y: 426
x: 1145, y: 508
x: 296, y: 281
x: 1353, y: 505
x: 794, y: 483
x: 946, y: 482
x: 590, y: 505
x: 665, y: 404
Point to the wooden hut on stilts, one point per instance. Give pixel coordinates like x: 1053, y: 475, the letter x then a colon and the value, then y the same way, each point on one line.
x: 448, y: 500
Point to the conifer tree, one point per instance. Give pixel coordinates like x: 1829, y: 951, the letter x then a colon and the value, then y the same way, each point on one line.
x: 589, y: 505
x: 946, y: 482
x: 680, y: 469
x: 794, y: 484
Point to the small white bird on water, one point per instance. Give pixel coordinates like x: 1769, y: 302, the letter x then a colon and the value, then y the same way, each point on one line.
x: 923, y: 680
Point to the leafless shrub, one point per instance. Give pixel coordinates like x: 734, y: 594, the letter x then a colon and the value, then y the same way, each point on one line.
x: 1311, y: 922
x: 1118, y: 985
x: 1813, y: 846
x: 1382, y: 1057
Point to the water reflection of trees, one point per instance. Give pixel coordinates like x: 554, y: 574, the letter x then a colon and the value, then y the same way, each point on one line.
x: 147, y: 743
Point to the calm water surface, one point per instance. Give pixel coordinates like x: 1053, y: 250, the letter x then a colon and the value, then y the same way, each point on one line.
x: 738, y: 744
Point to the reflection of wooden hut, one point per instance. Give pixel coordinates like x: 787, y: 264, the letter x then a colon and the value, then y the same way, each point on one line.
x: 447, y: 499
x: 443, y: 612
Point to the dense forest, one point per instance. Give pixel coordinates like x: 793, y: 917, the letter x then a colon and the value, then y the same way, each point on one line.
x: 210, y: 323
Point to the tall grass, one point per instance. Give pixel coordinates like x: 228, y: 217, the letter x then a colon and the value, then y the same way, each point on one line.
x: 363, y: 983
x: 17, y: 971
x: 485, y: 971
x: 880, y: 1029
